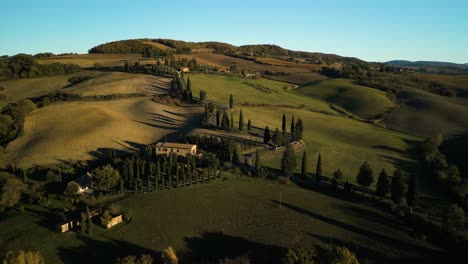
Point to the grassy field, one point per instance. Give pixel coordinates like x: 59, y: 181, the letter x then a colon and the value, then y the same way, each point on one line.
x: 219, y: 88
x: 121, y: 83
x: 363, y: 101
x: 83, y: 130
x: 252, y: 223
x: 89, y: 60
x: 426, y: 114
x: 101, y: 83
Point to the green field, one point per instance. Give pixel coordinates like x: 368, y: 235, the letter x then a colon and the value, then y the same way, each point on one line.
x: 229, y: 217
x: 343, y: 142
x: 219, y: 88
x: 360, y: 100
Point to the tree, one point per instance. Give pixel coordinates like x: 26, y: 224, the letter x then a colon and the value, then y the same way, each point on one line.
x: 202, y: 96
x: 25, y: 176
x: 288, y: 161
x: 365, y: 177
x: 277, y: 138
x: 342, y: 255
x: 232, y: 121
x: 383, y: 185
x: 106, y: 177
x: 23, y: 257
x: 454, y: 218
x: 257, y: 161
x: 337, y: 178
x: 10, y: 190
x: 304, y: 165
x: 241, y: 121
x: 89, y: 222
x: 412, y: 193
x: 292, y: 126
x: 299, y: 255
x: 231, y: 102
x: 169, y: 256
x: 121, y: 185
x: 225, y: 121
x: 283, y: 124
x: 318, y: 170
x: 396, y: 187
x: 298, y: 130
x: 249, y: 125
x: 217, y: 117
x: 266, y: 135
x: 189, y: 85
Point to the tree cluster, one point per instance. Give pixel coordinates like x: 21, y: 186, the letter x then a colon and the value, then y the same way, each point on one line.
x: 23, y: 66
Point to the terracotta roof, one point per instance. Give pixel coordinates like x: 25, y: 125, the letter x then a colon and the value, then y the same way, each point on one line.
x: 174, y: 145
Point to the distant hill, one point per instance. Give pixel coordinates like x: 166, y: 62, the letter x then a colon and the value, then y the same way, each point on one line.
x: 405, y: 63
x: 165, y: 47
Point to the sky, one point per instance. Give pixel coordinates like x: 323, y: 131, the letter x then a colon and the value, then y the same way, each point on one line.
x: 377, y: 30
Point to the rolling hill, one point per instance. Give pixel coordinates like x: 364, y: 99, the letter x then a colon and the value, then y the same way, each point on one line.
x: 360, y: 100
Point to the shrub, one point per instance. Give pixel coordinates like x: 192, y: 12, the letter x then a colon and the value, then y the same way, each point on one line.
x: 299, y: 255
x: 342, y: 255
x: 169, y: 256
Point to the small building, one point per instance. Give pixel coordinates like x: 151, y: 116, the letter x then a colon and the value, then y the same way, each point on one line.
x: 81, y: 184
x: 114, y: 221
x: 178, y: 148
x: 185, y: 69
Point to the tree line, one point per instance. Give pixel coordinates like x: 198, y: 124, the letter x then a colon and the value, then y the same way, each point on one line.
x: 23, y: 66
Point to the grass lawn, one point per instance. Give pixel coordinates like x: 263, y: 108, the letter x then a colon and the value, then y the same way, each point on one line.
x: 225, y: 218
x: 363, y: 101
x: 219, y: 88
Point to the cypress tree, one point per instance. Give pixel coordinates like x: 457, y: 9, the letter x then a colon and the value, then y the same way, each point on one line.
x: 298, y: 130
x: 382, y: 186
x: 232, y: 121
x: 283, y: 125
x: 304, y: 165
x: 225, y: 121
x: 257, y: 160
x: 318, y: 170
x: 89, y: 221
x: 231, y: 102
x: 292, y: 126
x: 241, y: 121
x: 130, y: 171
x: 396, y: 187
x: 121, y: 185
x: 288, y: 161
x: 249, y: 125
x: 25, y: 176
x: 266, y: 135
x: 412, y: 193
x: 365, y: 175
x: 177, y: 176
x: 189, y: 85
x: 136, y: 186
x: 158, y: 173
x: 217, y: 117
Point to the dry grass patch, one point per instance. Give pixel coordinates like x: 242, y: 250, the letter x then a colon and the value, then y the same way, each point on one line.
x: 81, y: 130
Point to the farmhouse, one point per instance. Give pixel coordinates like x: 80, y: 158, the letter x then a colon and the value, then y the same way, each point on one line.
x: 178, y: 148
x: 185, y: 69
x: 80, y: 184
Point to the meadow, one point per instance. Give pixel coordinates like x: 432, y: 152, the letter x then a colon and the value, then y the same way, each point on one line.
x: 361, y: 100
x: 254, y: 223
x: 84, y: 130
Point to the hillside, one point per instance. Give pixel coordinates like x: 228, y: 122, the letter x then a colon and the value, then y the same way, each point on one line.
x: 360, y: 100
x: 85, y: 130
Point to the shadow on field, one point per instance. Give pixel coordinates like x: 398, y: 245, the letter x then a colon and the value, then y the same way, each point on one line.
x: 215, y: 246
x: 366, y: 254
x: 376, y: 237
x: 406, y: 165
x: 97, y: 251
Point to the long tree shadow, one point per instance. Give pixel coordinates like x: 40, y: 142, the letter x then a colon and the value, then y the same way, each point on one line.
x: 392, y: 242
x: 213, y: 247
x: 99, y: 251
x: 368, y: 255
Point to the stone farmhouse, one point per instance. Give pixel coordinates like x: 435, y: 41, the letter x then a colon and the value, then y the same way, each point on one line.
x: 178, y: 148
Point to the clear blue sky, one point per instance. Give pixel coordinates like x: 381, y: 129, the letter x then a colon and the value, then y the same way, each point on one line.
x: 371, y: 30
